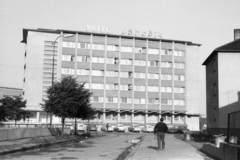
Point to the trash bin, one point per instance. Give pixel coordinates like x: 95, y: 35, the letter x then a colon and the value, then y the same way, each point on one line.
x: 187, y: 136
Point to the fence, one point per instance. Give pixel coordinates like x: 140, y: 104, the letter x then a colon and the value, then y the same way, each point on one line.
x: 233, y: 133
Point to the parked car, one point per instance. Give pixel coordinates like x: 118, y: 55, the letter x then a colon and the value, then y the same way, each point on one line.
x: 172, y: 129
x: 81, y: 127
x: 109, y: 129
x: 92, y: 127
x: 119, y: 128
x: 148, y: 128
x: 134, y: 128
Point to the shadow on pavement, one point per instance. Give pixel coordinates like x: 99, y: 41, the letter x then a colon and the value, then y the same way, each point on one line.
x: 152, y: 147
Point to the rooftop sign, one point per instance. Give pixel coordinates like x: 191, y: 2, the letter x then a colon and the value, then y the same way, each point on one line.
x: 99, y: 29
x: 149, y: 34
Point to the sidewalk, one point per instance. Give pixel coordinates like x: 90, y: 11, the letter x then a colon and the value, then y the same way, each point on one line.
x: 175, y: 149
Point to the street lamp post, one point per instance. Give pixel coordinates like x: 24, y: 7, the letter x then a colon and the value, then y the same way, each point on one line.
x: 64, y: 35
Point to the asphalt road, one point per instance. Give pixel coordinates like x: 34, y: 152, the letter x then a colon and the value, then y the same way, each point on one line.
x: 103, y: 146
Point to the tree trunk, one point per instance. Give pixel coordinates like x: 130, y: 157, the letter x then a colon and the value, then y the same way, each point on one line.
x: 63, y: 122
x: 15, y: 123
x: 75, y: 127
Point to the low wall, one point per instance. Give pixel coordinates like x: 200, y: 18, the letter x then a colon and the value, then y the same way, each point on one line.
x: 20, y: 133
x: 225, y: 152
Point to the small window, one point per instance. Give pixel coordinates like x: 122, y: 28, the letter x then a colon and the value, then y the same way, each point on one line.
x: 214, y: 89
x: 214, y: 65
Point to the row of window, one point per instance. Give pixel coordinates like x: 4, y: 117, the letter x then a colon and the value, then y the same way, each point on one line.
x: 139, y: 117
x: 124, y: 74
x: 138, y: 100
x: 124, y: 48
x: 129, y: 87
x: 123, y: 61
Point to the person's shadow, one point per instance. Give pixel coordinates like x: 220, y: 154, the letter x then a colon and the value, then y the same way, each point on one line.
x: 152, y: 147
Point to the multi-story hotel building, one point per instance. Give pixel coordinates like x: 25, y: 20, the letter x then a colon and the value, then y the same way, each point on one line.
x: 133, y: 79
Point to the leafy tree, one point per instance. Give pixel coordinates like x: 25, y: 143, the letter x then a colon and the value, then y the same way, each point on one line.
x: 12, y: 108
x: 67, y: 99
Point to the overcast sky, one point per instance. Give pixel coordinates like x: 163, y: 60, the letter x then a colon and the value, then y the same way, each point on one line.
x: 207, y: 22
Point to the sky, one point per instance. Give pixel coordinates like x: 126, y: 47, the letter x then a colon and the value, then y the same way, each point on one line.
x: 206, y: 22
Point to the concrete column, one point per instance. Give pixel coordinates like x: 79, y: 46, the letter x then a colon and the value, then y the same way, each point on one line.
x: 172, y: 120
x: 159, y: 116
x: 118, y: 117
x: 185, y: 119
x: 103, y: 117
x: 37, y: 117
x: 132, y: 119
x: 146, y: 118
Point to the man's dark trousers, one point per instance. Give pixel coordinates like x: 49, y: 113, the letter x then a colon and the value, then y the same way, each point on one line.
x: 161, y: 140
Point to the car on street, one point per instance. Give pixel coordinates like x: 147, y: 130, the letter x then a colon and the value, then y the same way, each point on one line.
x: 148, y: 129
x: 81, y: 127
x: 134, y: 128
x: 92, y: 127
x: 119, y: 128
x: 109, y: 129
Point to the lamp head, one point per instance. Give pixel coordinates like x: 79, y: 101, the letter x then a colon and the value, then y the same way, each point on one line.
x: 67, y: 35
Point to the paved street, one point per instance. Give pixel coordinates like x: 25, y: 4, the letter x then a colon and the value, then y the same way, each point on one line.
x: 114, y: 146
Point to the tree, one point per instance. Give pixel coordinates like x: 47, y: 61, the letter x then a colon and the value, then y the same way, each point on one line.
x: 67, y: 99
x: 12, y: 108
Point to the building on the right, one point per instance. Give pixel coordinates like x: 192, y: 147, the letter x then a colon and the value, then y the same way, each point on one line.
x: 222, y: 85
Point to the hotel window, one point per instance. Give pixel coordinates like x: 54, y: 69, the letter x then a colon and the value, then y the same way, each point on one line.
x: 116, y: 60
x: 83, y: 58
x: 166, y: 101
x: 86, y: 85
x: 83, y: 72
x: 111, y: 99
x: 167, y: 117
x: 153, y: 76
x: 166, y: 89
x: 179, y: 53
x: 96, y: 86
x: 166, y: 77
x: 140, y: 50
x: 124, y: 74
x: 97, y: 60
x: 179, y: 65
x: 84, y: 45
x: 153, y: 101
x: 179, y: 78
x: 69, y: 44
x: 130, y: 87
x: 139, y: 88
x: 125, y: 117
x: 111, y: 86
x: 67, y: 58
x: 112, y: 48
x: 126, y: 100
x: 112, y: 73
x: 179, y: 102
x: 167, y: 52
x: 139, y: 117
x: 124, y: 87
x: 140, y: 63
x: 139, y: 101
x: 67, y: 71
x: 98, y: 46
x: 153, y: 89
x: 139, y: 75
x: 126, y: 49
x: 153, y: 117
x: 179, y: 90
x: 153, y: 51
x: 153, y: 63
x: 97, y: 99
x: 97, y: 73
x: 178, y: 118
x: 166, y: 64
x: 110, y: 61
x: 126, y: 61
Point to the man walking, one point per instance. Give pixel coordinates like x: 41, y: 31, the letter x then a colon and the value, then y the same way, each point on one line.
x: 159, y: 130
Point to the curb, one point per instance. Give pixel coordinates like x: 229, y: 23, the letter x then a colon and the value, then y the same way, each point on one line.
x: 33, y: 146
